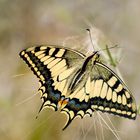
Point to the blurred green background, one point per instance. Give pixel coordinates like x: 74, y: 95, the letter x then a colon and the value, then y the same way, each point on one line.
x: 24, y: 23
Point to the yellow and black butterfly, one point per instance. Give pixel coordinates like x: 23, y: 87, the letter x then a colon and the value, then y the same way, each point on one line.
x: 77, y: 84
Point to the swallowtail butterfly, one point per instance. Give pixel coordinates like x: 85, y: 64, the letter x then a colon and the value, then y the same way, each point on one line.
x: 77, y: 84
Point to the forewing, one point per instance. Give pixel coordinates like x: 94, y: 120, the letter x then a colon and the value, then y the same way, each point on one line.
x: 110, y: 94
x: 55, y: 67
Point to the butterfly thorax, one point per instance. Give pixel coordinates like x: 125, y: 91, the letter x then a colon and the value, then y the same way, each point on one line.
x: 88, y: 64
x: 90, y: 61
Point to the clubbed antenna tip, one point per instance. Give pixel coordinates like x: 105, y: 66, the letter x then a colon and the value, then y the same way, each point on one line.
x: 90, y: 38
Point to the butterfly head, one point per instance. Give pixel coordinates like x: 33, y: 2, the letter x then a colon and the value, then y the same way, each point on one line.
x: 91, y: 60
x: 95, y: 57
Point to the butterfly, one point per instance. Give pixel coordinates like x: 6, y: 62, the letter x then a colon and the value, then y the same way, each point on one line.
x: 77, y: 84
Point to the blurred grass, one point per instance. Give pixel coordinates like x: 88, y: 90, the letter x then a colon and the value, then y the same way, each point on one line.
x: 26, y: 23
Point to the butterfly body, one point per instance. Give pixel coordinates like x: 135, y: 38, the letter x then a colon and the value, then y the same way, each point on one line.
x: 77, y: 84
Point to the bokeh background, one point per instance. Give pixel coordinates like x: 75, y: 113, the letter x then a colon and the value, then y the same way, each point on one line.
x: 24, y: 23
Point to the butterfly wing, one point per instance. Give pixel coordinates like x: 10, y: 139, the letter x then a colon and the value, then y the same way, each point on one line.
x: 55, y: 68
x: 112, y: 95
x: 102, y: 90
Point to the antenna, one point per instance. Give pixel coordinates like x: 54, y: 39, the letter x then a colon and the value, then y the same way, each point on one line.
x: 91, y: 38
